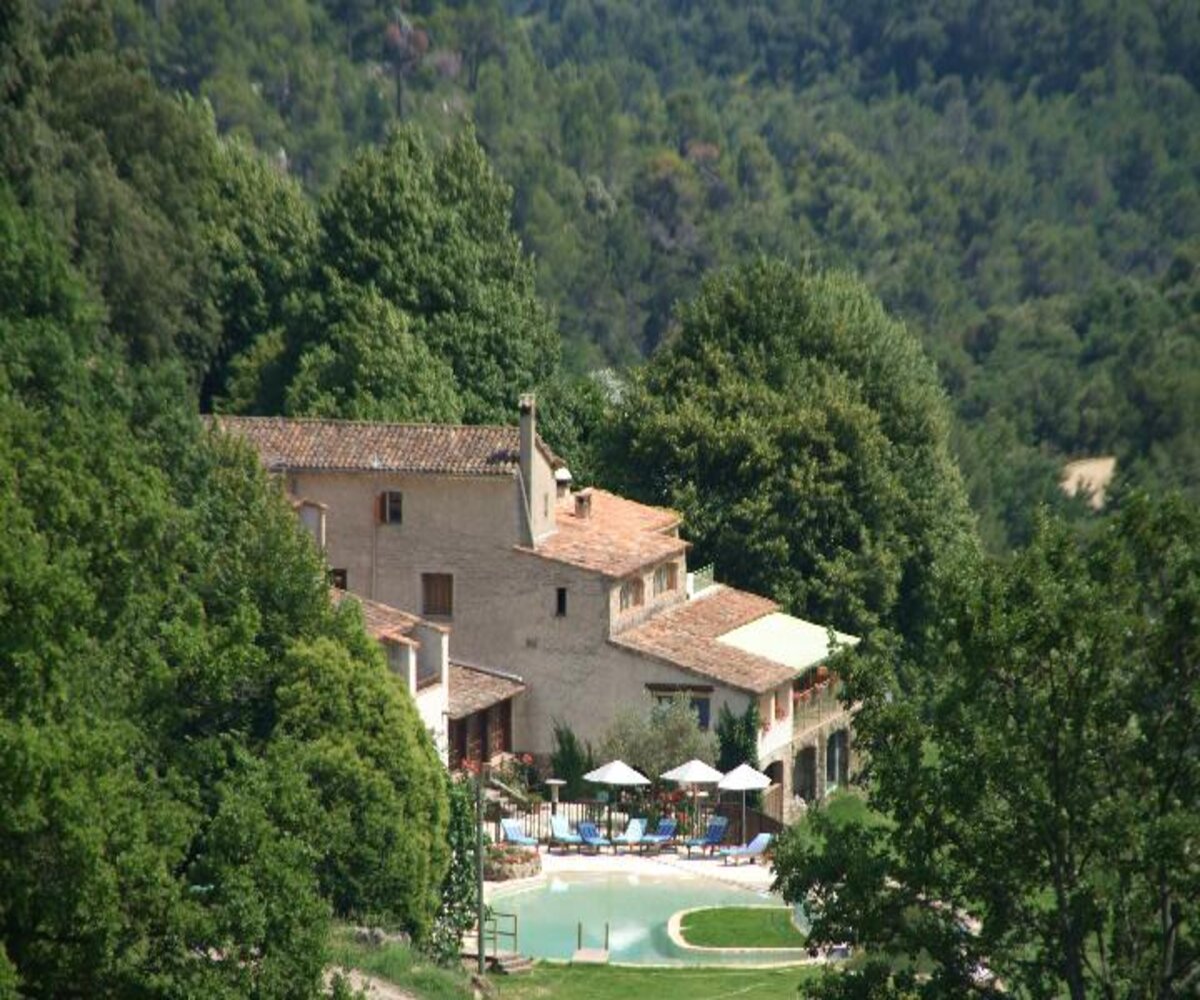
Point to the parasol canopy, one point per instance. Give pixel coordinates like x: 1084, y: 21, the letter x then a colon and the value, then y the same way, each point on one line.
x: 744, y: 778
x: 694, y: 772
x: 616, y: 772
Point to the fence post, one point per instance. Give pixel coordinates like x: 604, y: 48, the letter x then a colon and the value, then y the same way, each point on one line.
x: 579, y: 936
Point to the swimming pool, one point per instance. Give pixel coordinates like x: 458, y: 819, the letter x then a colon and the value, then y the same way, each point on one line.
x: 635, y: 907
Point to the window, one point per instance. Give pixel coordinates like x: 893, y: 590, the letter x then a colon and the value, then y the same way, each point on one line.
x: 703, y: 709
x: 437, y: 594
x: 632, y: 594
x: 391, y: 507
x: 665, y: 578
x: 560, y: 602
x: 546, y: 505
x: 339, y: 578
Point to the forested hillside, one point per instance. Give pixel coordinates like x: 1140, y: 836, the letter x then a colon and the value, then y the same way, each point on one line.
x: 1019, y: 181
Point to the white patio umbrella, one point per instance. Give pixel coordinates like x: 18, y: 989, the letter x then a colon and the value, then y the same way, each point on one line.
x: 618, y: 774
x: 695, y: 773
x: 744, y: 778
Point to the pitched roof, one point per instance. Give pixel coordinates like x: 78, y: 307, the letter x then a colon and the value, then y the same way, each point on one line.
x: 366, y: 446
x: 473, y: 689
x: 688, y: 635
x: 617, y: 538
x: 382, y: 621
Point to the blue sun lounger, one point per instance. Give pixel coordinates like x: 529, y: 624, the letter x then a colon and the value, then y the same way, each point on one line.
x: 513, y: 834
x: 632, y: 837
x: 561, y: 835
x: 591, y: 836
x: 755, y: 849
x: 712, y: 836
x: 665, y: 834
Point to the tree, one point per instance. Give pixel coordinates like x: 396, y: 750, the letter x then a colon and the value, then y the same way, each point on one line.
x: 261, y: 239
x: 570, y: 760
x: 457, y: 913
x: 426, y: 232
x: 737, y: 738
x: 370, y: 366
x: 1039, y: 805
x: 203, y: 759
x: 656, y: 736
x: 803, y: 436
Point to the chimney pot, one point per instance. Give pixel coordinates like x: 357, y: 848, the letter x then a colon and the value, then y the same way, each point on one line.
x: 583, y: 504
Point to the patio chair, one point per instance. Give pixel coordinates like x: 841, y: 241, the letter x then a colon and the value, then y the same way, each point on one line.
x: 591, y: 836
x: 513, y: 834
x: 561, y: 835
x: 712, y: 836
x: 632, y: 836
x: 755, y: 849
x: 662, y: 837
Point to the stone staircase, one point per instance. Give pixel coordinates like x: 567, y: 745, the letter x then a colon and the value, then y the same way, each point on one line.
x: 512, y: 964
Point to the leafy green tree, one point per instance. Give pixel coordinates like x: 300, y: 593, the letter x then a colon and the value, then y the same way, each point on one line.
x: 261, y: 240
x: 656, y: 736
x: 1039, y: 805
x: 803, y: 436
x: 370, y: 366
x: 428, y: 231
x: 203, y: 759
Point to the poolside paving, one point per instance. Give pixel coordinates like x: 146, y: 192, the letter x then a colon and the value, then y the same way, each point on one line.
x: 663, y: 865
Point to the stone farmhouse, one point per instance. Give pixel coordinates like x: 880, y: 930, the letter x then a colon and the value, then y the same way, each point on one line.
x: 530, y: 603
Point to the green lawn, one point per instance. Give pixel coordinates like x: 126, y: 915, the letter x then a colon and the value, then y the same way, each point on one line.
x: 400, y: 965
x: 600, y: 982
x: 742, y: 927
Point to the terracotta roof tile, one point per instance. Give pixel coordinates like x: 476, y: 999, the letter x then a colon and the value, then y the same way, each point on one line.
x: 686, y: 636
x: 473, y: 689
x: 381, y: 620
x: 363, y: 446
x: 618, y: 538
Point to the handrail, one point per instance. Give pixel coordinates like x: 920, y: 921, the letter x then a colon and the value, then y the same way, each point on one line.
x: 491, y: 925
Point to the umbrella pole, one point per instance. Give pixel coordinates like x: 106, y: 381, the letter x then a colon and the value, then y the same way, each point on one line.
x: 743, y: 817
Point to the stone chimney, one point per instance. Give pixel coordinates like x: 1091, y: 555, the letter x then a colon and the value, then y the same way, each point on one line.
x: 583, y: 504
x: 528, y: 407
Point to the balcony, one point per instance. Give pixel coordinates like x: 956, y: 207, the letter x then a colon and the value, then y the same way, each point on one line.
x: 816, y: 705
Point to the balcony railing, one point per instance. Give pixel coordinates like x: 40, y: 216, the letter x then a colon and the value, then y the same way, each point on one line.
x: 817, y: 705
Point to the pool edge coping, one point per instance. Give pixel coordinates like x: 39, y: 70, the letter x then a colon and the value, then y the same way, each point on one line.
x: 676, y: 935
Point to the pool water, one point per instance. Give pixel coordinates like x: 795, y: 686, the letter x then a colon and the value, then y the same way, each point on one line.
x: 636, y: 909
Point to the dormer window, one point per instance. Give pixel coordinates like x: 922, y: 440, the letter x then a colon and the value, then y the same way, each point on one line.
x: 632, y: 594
x: 666, y: 578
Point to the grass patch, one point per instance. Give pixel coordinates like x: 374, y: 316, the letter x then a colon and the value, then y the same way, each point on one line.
x: 399, y: 964
x: 742, y: 927
x: 600, y: 982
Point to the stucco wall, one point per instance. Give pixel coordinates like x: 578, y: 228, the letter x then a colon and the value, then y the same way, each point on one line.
x: 505, y: 600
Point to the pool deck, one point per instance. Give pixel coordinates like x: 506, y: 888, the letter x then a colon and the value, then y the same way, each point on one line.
x: 665, y: 865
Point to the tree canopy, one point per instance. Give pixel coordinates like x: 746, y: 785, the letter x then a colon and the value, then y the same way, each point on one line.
x: 802, y: 434
x: 1038, y: 808
x: 203, y: 760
